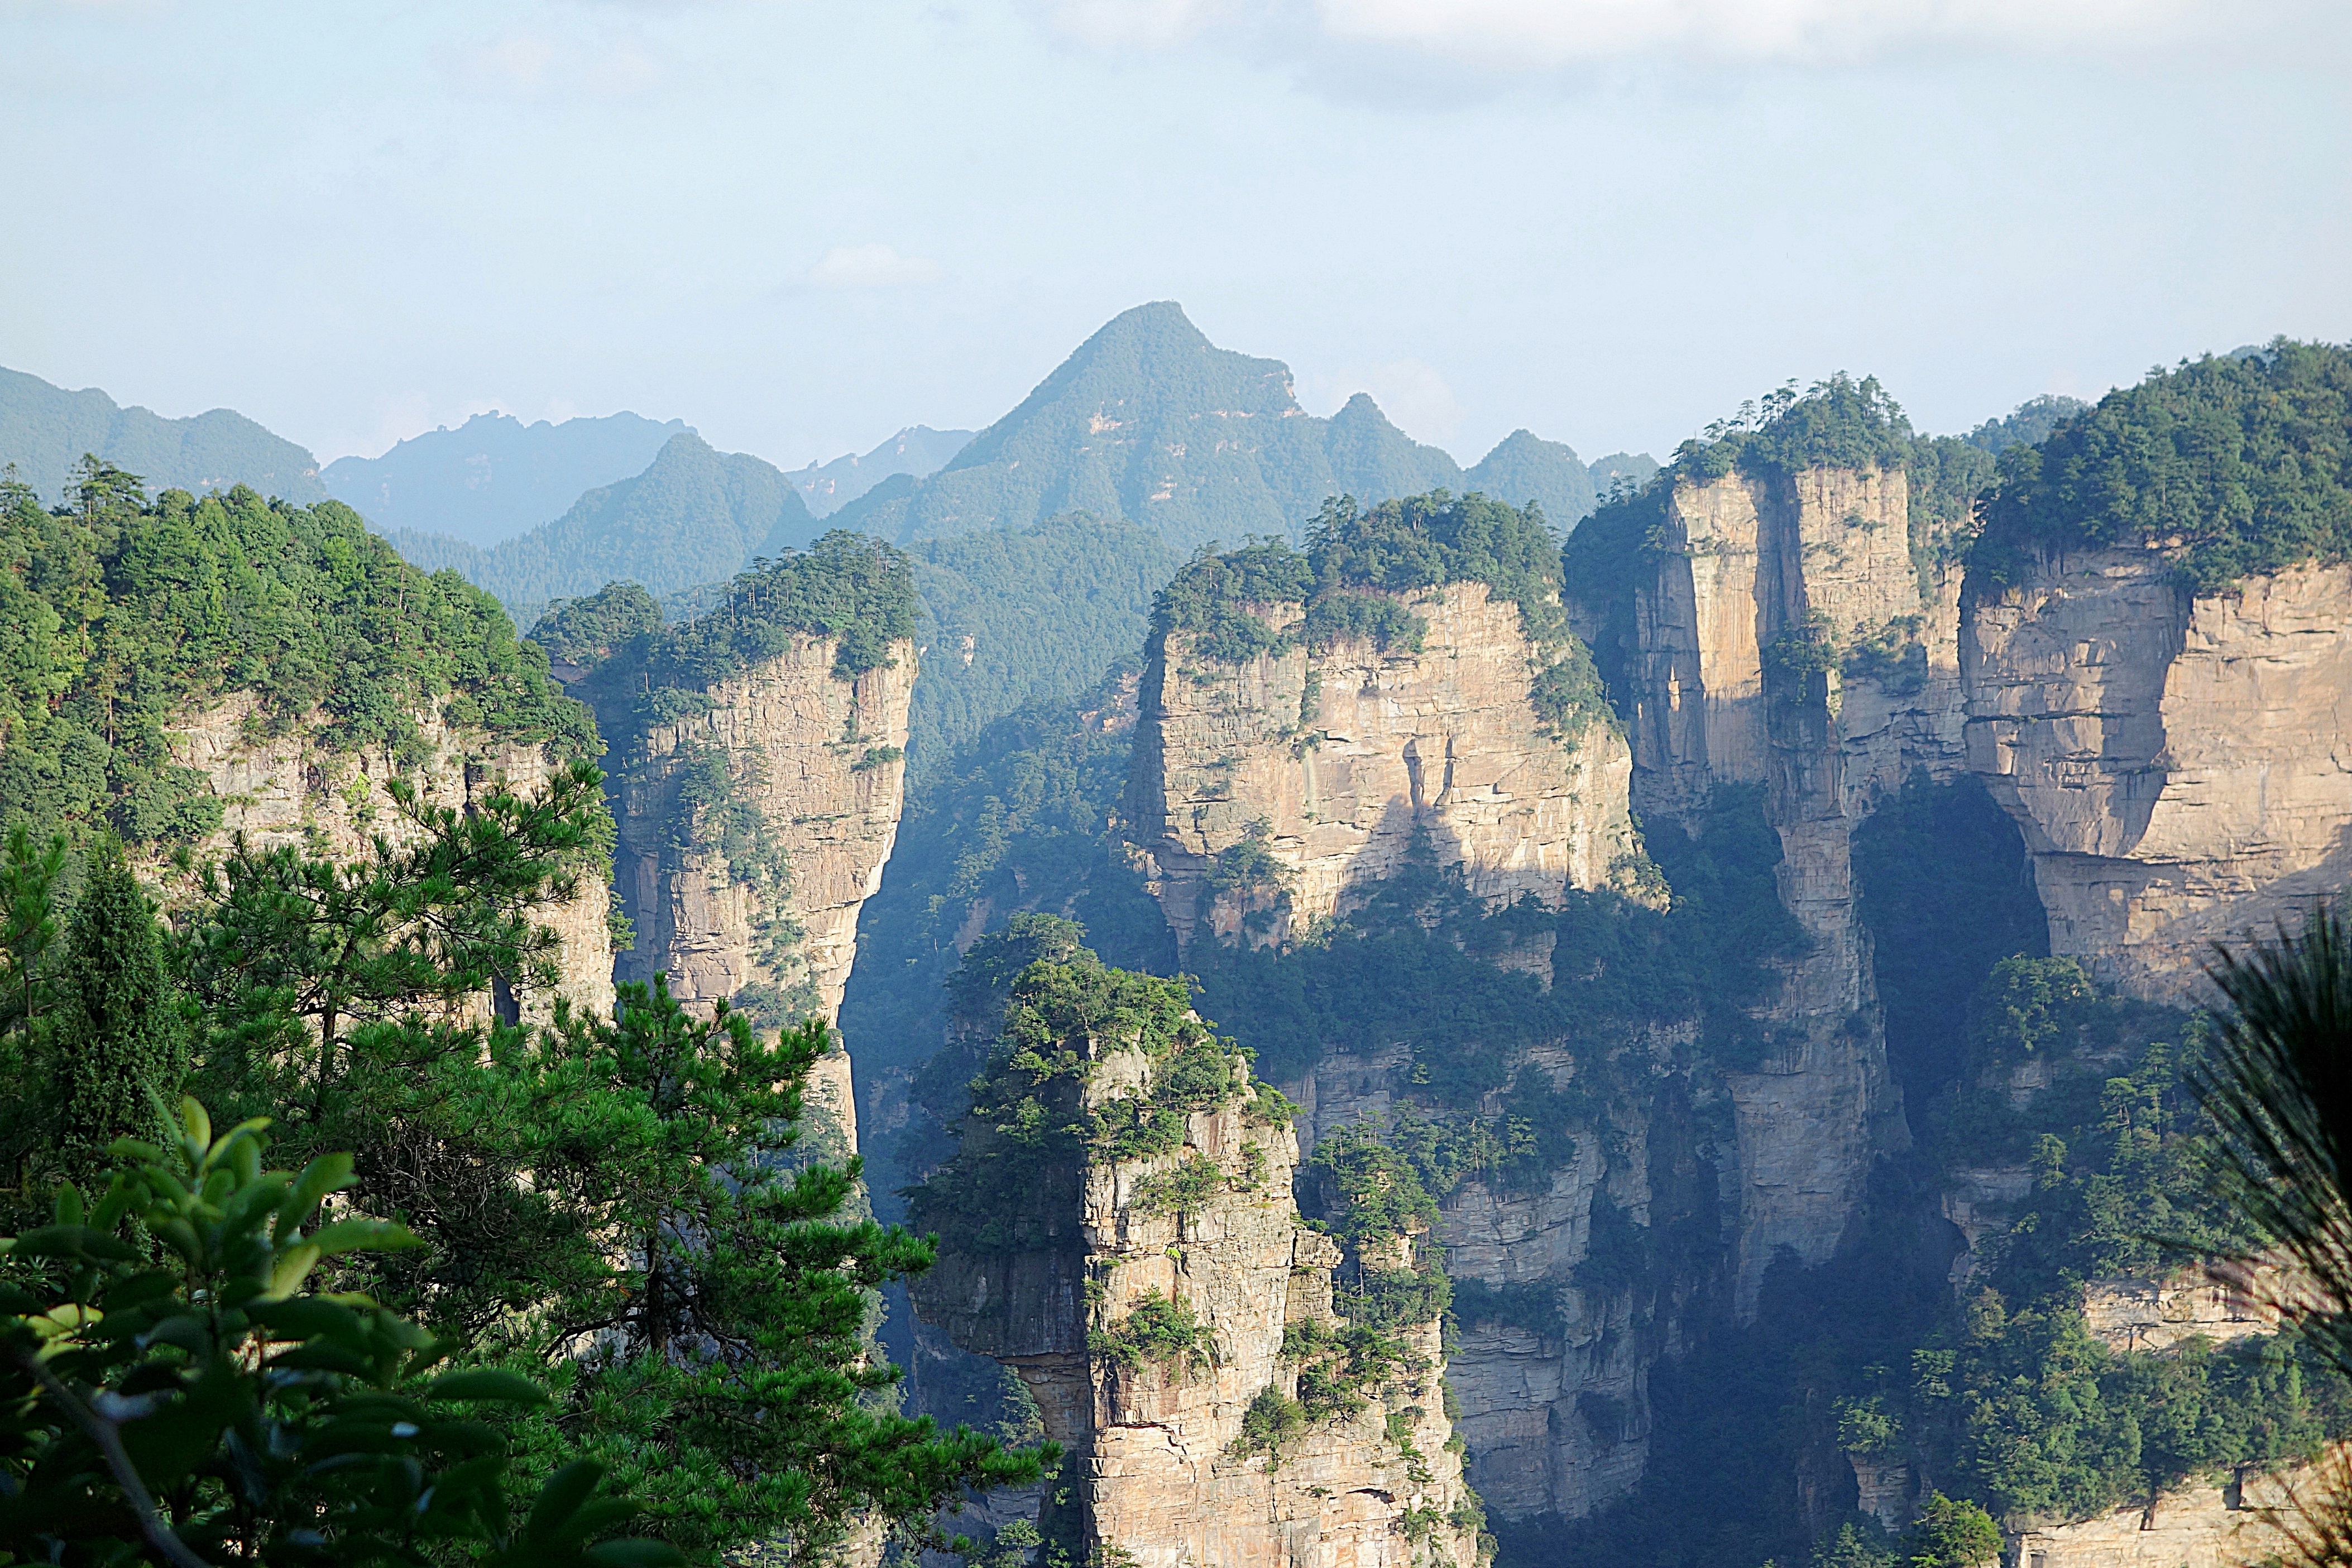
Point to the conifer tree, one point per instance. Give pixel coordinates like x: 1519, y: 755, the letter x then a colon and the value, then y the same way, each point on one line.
x: 121, y: 1040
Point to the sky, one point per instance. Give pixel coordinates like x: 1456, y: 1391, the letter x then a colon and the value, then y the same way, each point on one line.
x: 800, y: 226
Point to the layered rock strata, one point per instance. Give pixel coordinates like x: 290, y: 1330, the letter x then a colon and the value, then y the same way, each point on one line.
x: 2180, y: 765
x: 1164, y: 1472
x: 287, y: 788
x: 753, y: 829
x: 1328, y: 765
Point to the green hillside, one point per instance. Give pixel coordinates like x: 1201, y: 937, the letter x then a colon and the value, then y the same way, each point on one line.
x: 1525, y: 467
x: 694, y: 517
x: 118, y: 613
x: 45, y: 430
x: 1151, y: 422
x: 2233, y: 465
x: 1033, y: 616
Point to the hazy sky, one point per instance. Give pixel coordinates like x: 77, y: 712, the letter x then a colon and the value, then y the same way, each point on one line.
x: 800, y: 226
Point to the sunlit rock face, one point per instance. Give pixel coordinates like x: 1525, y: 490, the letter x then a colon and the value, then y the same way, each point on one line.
x: 285, y: 788
x: 752, y: 832
x: 1333, y: 763
x: 1158, y: 1473
x: 2180, y: 765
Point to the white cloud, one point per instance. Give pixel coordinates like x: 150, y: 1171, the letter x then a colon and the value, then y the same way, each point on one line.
x: 870, y: 266
x: 1525, y: 37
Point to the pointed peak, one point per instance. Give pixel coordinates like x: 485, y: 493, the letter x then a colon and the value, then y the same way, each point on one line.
x: 1158, y: 327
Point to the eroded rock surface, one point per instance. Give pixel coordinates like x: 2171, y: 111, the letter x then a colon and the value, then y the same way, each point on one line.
x: 2181, y: 768
x: 1333, y: 762
x: 2203, y: 1524
x: 287, y: 789
x: 751, y: 832
x: 1164, y: 1472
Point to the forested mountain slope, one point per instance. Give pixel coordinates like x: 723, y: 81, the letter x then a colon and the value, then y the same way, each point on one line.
x: 693, y: 517
x: 1151, y: 422
x: 45, y: 430
x: 494, y: 476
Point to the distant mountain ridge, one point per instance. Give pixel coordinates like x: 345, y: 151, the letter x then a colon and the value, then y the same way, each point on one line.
x: 46, y: 429
x: 917, y: 450
x: 694, y: 516
x: 1149, y: 422
x: 494, y: 477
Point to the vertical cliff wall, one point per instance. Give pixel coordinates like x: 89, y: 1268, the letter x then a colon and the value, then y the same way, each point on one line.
x: 289, y: 789
x: 1273, y: 792
x: 2180, y: 765
x: 1777, y: 629
x: 1129, y: 1244
x: 753, y: 826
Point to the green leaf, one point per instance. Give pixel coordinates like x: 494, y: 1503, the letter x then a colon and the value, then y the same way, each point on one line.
x: 363, y: 1236
x: 308, y: 1318
x: 560, y: 1498
x: 327, y: 1173
x: 489, y: 1382
x: 74, y: 1240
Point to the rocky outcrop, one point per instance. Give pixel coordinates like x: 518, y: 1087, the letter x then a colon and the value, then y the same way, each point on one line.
x: 286, y: 788
x: 753, y: 829
x: 1779, y: 635
x: 2210, y: 1523
x: 2180, y: 767
x: 1270, y: 793
x: 2159, y: 1314
x: 1165, y: 1441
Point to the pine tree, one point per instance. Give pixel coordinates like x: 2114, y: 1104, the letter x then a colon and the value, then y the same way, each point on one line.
x: 121, y: 1034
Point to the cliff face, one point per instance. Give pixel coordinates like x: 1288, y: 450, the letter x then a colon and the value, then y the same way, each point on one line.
x: 1169, y: 1448
x: 1779, y: 636
x: 2203, y: 1524
x: 752, y: 831
x: 2178, y: 765
x: 1330, y: 763
x: 287, y: 788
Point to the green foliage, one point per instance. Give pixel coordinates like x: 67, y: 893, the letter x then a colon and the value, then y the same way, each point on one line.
x: 2030, y: 426
x: 1840, y: 423
x: 1867, y: 1427
x: 286, y: 951
x: 1047, y: 610
x: 1273, y: 1420
x: 1952, y: 1534
x: 1155, y: 1332
x: 2232, y: 466
x: 1028, y: 1135
x: 122, y: 1045
x: 1150, y: 421
x: 1946, y: 892
x: 211, y: 1407
x: 588, y: 631
x: 118, y: 617
x: 1215, y: 599
x: 1533, y: 1305
x: 858, y: 591
x: 1342, y: 1367
x: 1415, y: 965
x: 1369, y: 1198
x: 1344, y: 616
x: 1186, y: 1190
x: 1356, y: 580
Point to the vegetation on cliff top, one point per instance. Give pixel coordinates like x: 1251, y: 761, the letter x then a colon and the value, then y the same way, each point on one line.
x: 1356, y: 580
x: 1029, y: 1135
x: 2234, y: 467
x: 120, y: 617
